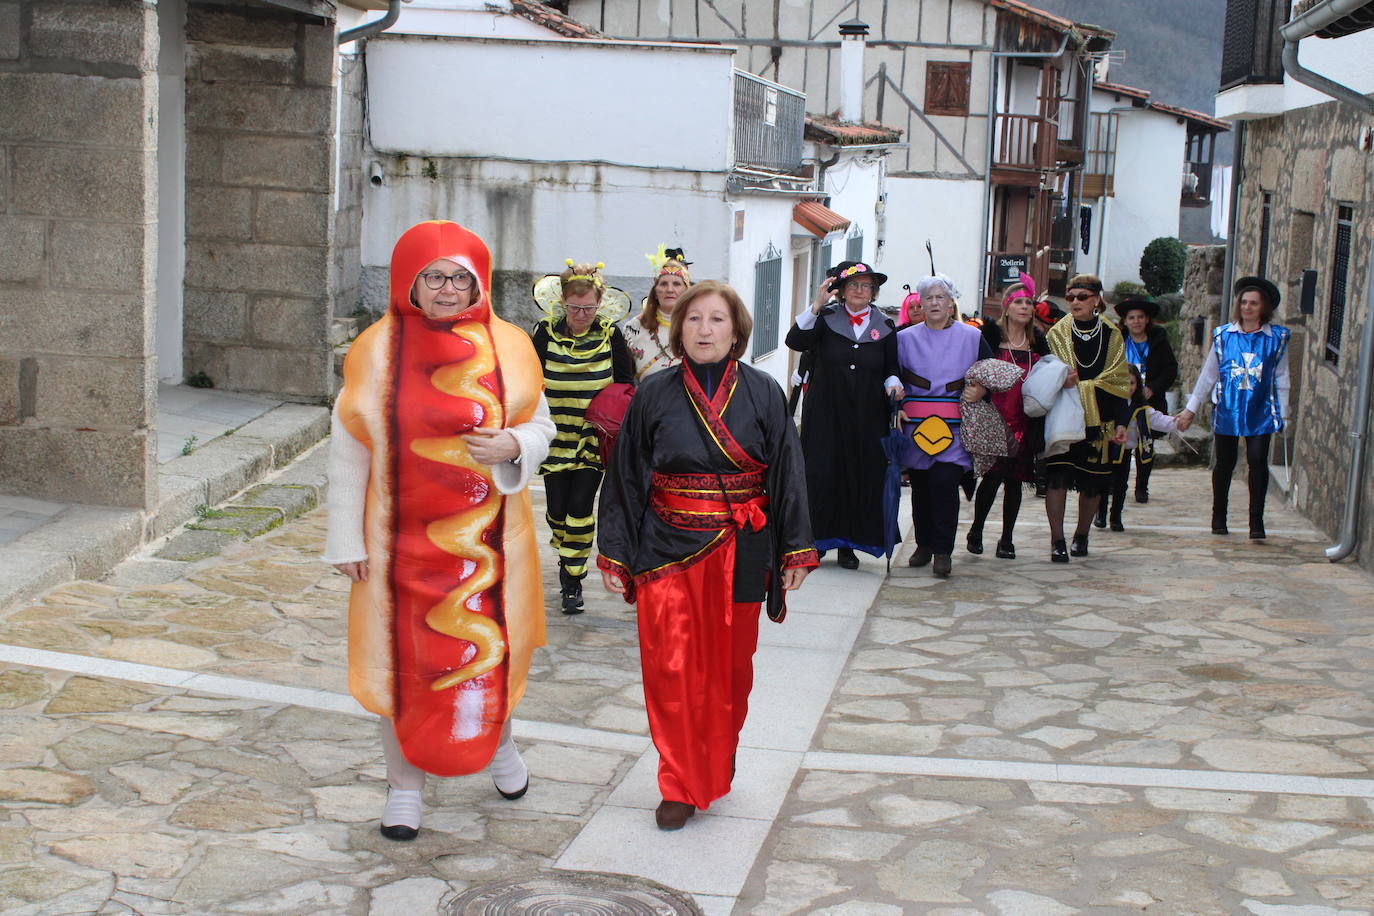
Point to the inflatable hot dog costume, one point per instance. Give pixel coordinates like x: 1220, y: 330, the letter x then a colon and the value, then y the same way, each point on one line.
x: 442, y: 630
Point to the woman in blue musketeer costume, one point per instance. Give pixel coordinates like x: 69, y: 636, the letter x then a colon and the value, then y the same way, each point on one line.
x: 1246, y: 374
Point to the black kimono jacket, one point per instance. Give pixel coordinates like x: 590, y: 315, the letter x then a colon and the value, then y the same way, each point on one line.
x: 662, y: 433
x: 844, y: 418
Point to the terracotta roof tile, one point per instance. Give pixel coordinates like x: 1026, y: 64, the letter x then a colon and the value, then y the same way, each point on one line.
x: 818, y: 219
x: 1058, y: 23
x: 1119, y: 89
x: 830, y: 129
x: 1191, y: 115
x: 552, y: 19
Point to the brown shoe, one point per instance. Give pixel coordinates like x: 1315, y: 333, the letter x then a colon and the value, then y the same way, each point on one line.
x: 672, y: 815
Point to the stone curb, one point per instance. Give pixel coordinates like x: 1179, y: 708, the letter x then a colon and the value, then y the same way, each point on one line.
x: 85, y: 542
x: 255, y: 511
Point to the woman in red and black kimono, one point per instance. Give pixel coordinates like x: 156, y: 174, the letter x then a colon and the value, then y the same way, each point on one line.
x: 703, y: 517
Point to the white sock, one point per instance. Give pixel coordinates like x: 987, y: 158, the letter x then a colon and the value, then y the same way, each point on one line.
x: 508, y: 771
x: 402, y: 808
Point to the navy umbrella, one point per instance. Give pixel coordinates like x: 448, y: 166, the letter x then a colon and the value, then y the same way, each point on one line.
x: 894, y: 444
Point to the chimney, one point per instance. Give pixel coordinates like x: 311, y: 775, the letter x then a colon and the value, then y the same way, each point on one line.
x: 853, y: 39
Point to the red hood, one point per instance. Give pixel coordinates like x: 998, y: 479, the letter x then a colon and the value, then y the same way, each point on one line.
x: 427, y: 242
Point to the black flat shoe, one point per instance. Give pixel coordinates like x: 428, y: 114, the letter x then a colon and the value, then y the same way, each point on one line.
x: 1059, y: 552
x: 847, y: 559
x: 1116, y: 525
x: 1141, y: 496
x: 512, y: 796
x: 1100, y: 522
x: 1080, y: 546
x: 942, y: 565
x: 399, y: 832
x: 919, y: 558
x: 974, y: 542
x: 672, y: 815
x: 1006, y: 550
x: 1257, y: 531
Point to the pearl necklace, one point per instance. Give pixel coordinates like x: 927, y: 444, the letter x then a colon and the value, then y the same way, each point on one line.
x: 1087, y: 336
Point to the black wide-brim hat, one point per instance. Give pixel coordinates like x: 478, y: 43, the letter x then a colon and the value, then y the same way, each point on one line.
x: 853, y: 270
x: 1148, y: 306
x: 1265, y: 288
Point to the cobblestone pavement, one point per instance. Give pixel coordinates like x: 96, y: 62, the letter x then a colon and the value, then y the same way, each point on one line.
x: 1180, y: 723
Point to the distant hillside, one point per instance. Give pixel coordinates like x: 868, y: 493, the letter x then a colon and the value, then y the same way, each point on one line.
x: 1173, y: 47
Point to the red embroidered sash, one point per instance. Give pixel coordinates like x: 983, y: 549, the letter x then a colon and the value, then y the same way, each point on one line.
x: 694, y: 501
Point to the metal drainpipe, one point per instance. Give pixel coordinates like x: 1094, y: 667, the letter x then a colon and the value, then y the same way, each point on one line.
x: 368, y: 29
x: 1305, y: 25
x: 987, y: 164
x: 1350, y: 529
x: 1228, y: 266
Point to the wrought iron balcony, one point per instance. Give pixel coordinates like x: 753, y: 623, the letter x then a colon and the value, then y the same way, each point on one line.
x: 769, y: 121
x: 1252, y: 49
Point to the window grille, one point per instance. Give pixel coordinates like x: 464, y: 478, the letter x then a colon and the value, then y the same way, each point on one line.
x: 1265, y: 206
x: 769, y: 120
x: 854, y: 246
x: 823, y: 256
x: 767, y: 301
x: 1340, y: 276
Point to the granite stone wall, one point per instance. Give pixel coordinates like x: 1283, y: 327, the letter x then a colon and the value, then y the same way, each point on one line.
x: 260, y: 220
x: 1311, y: 162
x: 1202, y: 303
x: 348, y: 214
x: 78, y: 243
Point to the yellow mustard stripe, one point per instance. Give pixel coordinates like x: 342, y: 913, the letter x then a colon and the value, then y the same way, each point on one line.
x: 461, y: 534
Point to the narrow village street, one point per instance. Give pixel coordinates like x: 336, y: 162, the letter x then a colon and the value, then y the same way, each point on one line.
x: 1180, y: 723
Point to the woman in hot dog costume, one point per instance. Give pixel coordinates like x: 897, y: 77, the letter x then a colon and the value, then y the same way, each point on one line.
x: 438, y: 427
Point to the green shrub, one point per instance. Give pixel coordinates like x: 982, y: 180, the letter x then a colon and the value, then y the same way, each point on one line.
x: 1170, y: 305
x: 1127, y: 289
x: 1161, y: 266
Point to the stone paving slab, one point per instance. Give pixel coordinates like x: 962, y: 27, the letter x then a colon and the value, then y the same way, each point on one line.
x: 888, y: 844
x: 89, y: 541
x: 119, y: 798
x: 1167, y: 652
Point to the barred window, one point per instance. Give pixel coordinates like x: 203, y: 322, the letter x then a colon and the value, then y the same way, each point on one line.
x: 1265, y: 205
x: 1340, y: 276
x: 854, y: 246
x: 824, y: 253
x: 767, y: 301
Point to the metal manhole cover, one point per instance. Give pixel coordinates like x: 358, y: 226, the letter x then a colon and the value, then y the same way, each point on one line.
x: 572, y: 894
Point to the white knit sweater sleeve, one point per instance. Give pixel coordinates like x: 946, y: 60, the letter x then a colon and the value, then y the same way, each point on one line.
x: 534, y: 438
x: 350, y: 464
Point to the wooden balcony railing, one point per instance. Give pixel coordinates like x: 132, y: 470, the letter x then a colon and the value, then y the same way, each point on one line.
x: 1024, y: 142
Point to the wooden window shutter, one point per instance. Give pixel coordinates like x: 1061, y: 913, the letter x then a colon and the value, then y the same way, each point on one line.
x: 947, y: 85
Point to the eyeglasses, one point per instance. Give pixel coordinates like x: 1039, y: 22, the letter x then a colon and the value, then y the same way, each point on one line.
x: 1079, y: 297
x: 583, y: 309
x: 435, y: 280
x: 860, y: 284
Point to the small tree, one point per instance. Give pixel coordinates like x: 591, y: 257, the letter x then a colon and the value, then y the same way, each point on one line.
x: 1161, y: 266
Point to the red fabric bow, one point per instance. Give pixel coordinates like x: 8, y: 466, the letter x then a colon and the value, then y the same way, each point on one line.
x: 856, y: 320
x: 749, y: 514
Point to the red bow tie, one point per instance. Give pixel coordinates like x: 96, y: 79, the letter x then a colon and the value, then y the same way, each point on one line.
x: 856, y: 320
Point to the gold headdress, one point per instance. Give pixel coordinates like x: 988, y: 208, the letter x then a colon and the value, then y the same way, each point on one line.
x: 669, y: 261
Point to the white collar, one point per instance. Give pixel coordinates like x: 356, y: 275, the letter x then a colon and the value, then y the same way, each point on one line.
x: 1267, y: 327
